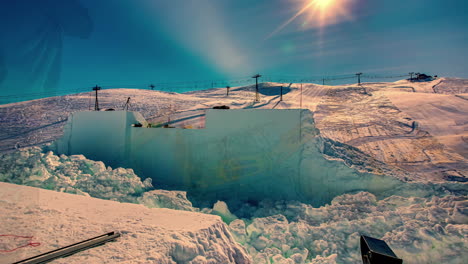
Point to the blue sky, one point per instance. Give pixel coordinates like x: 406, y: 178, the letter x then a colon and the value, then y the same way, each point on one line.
x: 81, y: 43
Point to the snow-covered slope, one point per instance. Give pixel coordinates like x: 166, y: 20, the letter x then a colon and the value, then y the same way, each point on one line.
x: 148, y: 235
x: 443, y: 116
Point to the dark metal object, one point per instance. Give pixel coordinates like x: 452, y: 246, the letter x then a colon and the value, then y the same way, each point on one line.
x: 71, y: 249
x: 359, y: 77
x: 127, y: 104
x: 281, y: 97
x: 96, y: 104
x: 376, y: 251
x: 221, y: 107
x: 256, y: 76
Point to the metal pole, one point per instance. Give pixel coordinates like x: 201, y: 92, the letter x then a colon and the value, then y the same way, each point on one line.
x: 257, y: 97
x: 71, y: 249
x: 96, y: 104
x: 127, y: 104
x: 256, y: 90
x: 301, y: 94
x: 359, y: 77
x: 281, y: 98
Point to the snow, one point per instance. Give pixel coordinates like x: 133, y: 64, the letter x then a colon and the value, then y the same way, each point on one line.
x: 443, y: 116
x: 376, y: 128
x: 166, y: 199
x: 419, y: 230
x: 79, y: 175
x: 148, y: 235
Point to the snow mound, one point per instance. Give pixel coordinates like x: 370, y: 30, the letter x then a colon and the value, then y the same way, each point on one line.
x: 71, y: 174
x: 166, y: 199
x: 419, y: 230
x: 77, y: 175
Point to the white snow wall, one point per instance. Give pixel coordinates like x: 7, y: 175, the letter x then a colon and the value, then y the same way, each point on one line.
x: 246, y: 154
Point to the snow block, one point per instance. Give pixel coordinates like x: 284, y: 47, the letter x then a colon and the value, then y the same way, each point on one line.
x: 245, y: 154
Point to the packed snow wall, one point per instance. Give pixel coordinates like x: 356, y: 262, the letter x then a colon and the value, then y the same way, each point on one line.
x: 246, y: 154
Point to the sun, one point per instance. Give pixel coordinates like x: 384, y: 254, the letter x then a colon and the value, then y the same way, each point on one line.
x: 323, y: 3
x: 319, y: 13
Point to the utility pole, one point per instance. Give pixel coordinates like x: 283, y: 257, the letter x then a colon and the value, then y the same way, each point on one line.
x: 359, y: 77
x: 256, y: 76
x: 127, y: 104
x: 227, y: 90
x: 96, y: 104
x: 411, y: 76
x: 151, y: 86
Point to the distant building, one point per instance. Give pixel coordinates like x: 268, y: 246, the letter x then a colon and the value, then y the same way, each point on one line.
x: 422, y: 77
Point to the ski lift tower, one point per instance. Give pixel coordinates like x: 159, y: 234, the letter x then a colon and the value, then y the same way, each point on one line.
x: 359, y: 77
x: 96, y: 104
x: 256, y: 76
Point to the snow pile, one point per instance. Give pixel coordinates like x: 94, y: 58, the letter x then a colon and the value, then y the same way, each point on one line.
x: 419, y: 230
x: 78, y: 175
x: 71, y: 174
x: 221, y: 209
x: 212, y: 245
x: 166, y: 199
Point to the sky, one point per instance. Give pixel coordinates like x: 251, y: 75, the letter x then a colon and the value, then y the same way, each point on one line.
x: 50, y: 46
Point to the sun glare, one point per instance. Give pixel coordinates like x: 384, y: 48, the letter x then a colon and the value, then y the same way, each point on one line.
x: 319, y: 13
x: 323, y: 3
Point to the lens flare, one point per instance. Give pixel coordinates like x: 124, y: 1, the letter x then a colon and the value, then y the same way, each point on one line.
x: 319, y: 13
